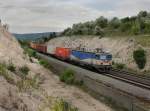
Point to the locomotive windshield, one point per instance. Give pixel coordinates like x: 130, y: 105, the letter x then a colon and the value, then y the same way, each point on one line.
x: 104, y: 57
x: 97, y: 56
x: 109, y: 57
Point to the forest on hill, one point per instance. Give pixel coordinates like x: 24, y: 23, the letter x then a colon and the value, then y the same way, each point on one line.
x: 134, y: 25
x: 45, y: 36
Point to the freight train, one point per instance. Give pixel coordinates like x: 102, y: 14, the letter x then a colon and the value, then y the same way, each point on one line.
x: 98, y: 60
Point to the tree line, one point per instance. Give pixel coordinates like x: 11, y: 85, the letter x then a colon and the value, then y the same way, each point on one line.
x: 134, y: 25
x: 44, y: 39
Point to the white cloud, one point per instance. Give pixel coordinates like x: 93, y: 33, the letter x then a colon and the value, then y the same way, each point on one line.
x: 55, y: 15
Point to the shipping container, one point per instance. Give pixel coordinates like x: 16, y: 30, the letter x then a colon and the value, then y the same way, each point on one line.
x: 32, y: 45
x: 41, y: 48
x: 51, y: 49
x: 63, y: 53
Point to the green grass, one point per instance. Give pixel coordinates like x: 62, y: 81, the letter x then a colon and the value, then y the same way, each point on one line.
x: 31, y: 52
x: 11, y: 67
x: 28, y: 51
x: 61, y: 105
x: 24, y: 71
x: 55, y: 104
x: 27, y: 84
x: 119, y: 65
x: 143, y: 40
x: 4, y: 73
x: 45, y: 63
x: 67, y: 76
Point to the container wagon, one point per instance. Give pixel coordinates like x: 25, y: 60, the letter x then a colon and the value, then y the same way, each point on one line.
x: 32, y: 45
x: 62, y: 53
x: 51, y: 49
x: 41, y: 48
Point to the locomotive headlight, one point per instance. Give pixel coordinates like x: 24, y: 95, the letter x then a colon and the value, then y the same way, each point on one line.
x: 110, y: 63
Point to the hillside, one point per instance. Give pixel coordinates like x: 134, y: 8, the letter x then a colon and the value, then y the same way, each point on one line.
x: 10, y: 49
x: 121, y: 47
x: 25, y: 85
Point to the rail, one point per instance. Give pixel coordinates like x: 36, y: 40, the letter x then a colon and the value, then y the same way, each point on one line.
x: 130, y: 77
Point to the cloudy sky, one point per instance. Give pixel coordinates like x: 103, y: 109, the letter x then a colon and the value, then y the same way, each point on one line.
x: 25, y: 16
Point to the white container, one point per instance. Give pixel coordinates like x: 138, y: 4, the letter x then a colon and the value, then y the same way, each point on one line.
x: 51, y: 49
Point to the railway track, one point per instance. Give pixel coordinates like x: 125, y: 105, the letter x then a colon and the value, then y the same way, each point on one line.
x: 130, y: 78
x: 125, y: 76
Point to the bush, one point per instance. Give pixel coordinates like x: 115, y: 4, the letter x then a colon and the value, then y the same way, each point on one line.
x: 24, y: 70
x: 30, y: 52
x: 45, y: 64
x: 61, y: 105
x: 79, y: 83
x: 23, y: 85
x: 23, y: 43
x: 26, y: 84
x: 119, y: 66
x: 67, y: 76
x: 140, y: 58
x: 4, y: 73
x: 135, y: 29
x: 11, y: 67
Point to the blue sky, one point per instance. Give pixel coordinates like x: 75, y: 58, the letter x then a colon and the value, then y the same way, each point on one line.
x: 25, y: 16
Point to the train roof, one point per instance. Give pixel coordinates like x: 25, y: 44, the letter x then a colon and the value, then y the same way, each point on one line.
x: 91, y: 52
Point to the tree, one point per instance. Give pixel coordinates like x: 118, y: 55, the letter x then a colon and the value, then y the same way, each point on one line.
x: 125, y: 20
x: 125, y: 27
x: 147, y: 28
x: 45, y: 39
x: 67, y: 31
x: 140, y: 58
x: 77, y: 29
x: 88, y: 28
x: 114, y: 23
x: 133, y: 19
x: 102, y: 22
x: 142, y: 25
x: 135, y: 29
x: 142, y: 14
x: 98, y: 31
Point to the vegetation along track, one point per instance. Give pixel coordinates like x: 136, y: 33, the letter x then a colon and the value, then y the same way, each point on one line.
x: 137, y: 80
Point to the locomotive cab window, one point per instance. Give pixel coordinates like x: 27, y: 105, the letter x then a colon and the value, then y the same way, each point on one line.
x: 109, y: 57
x: 97, y: 56
x: 103, y: 57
